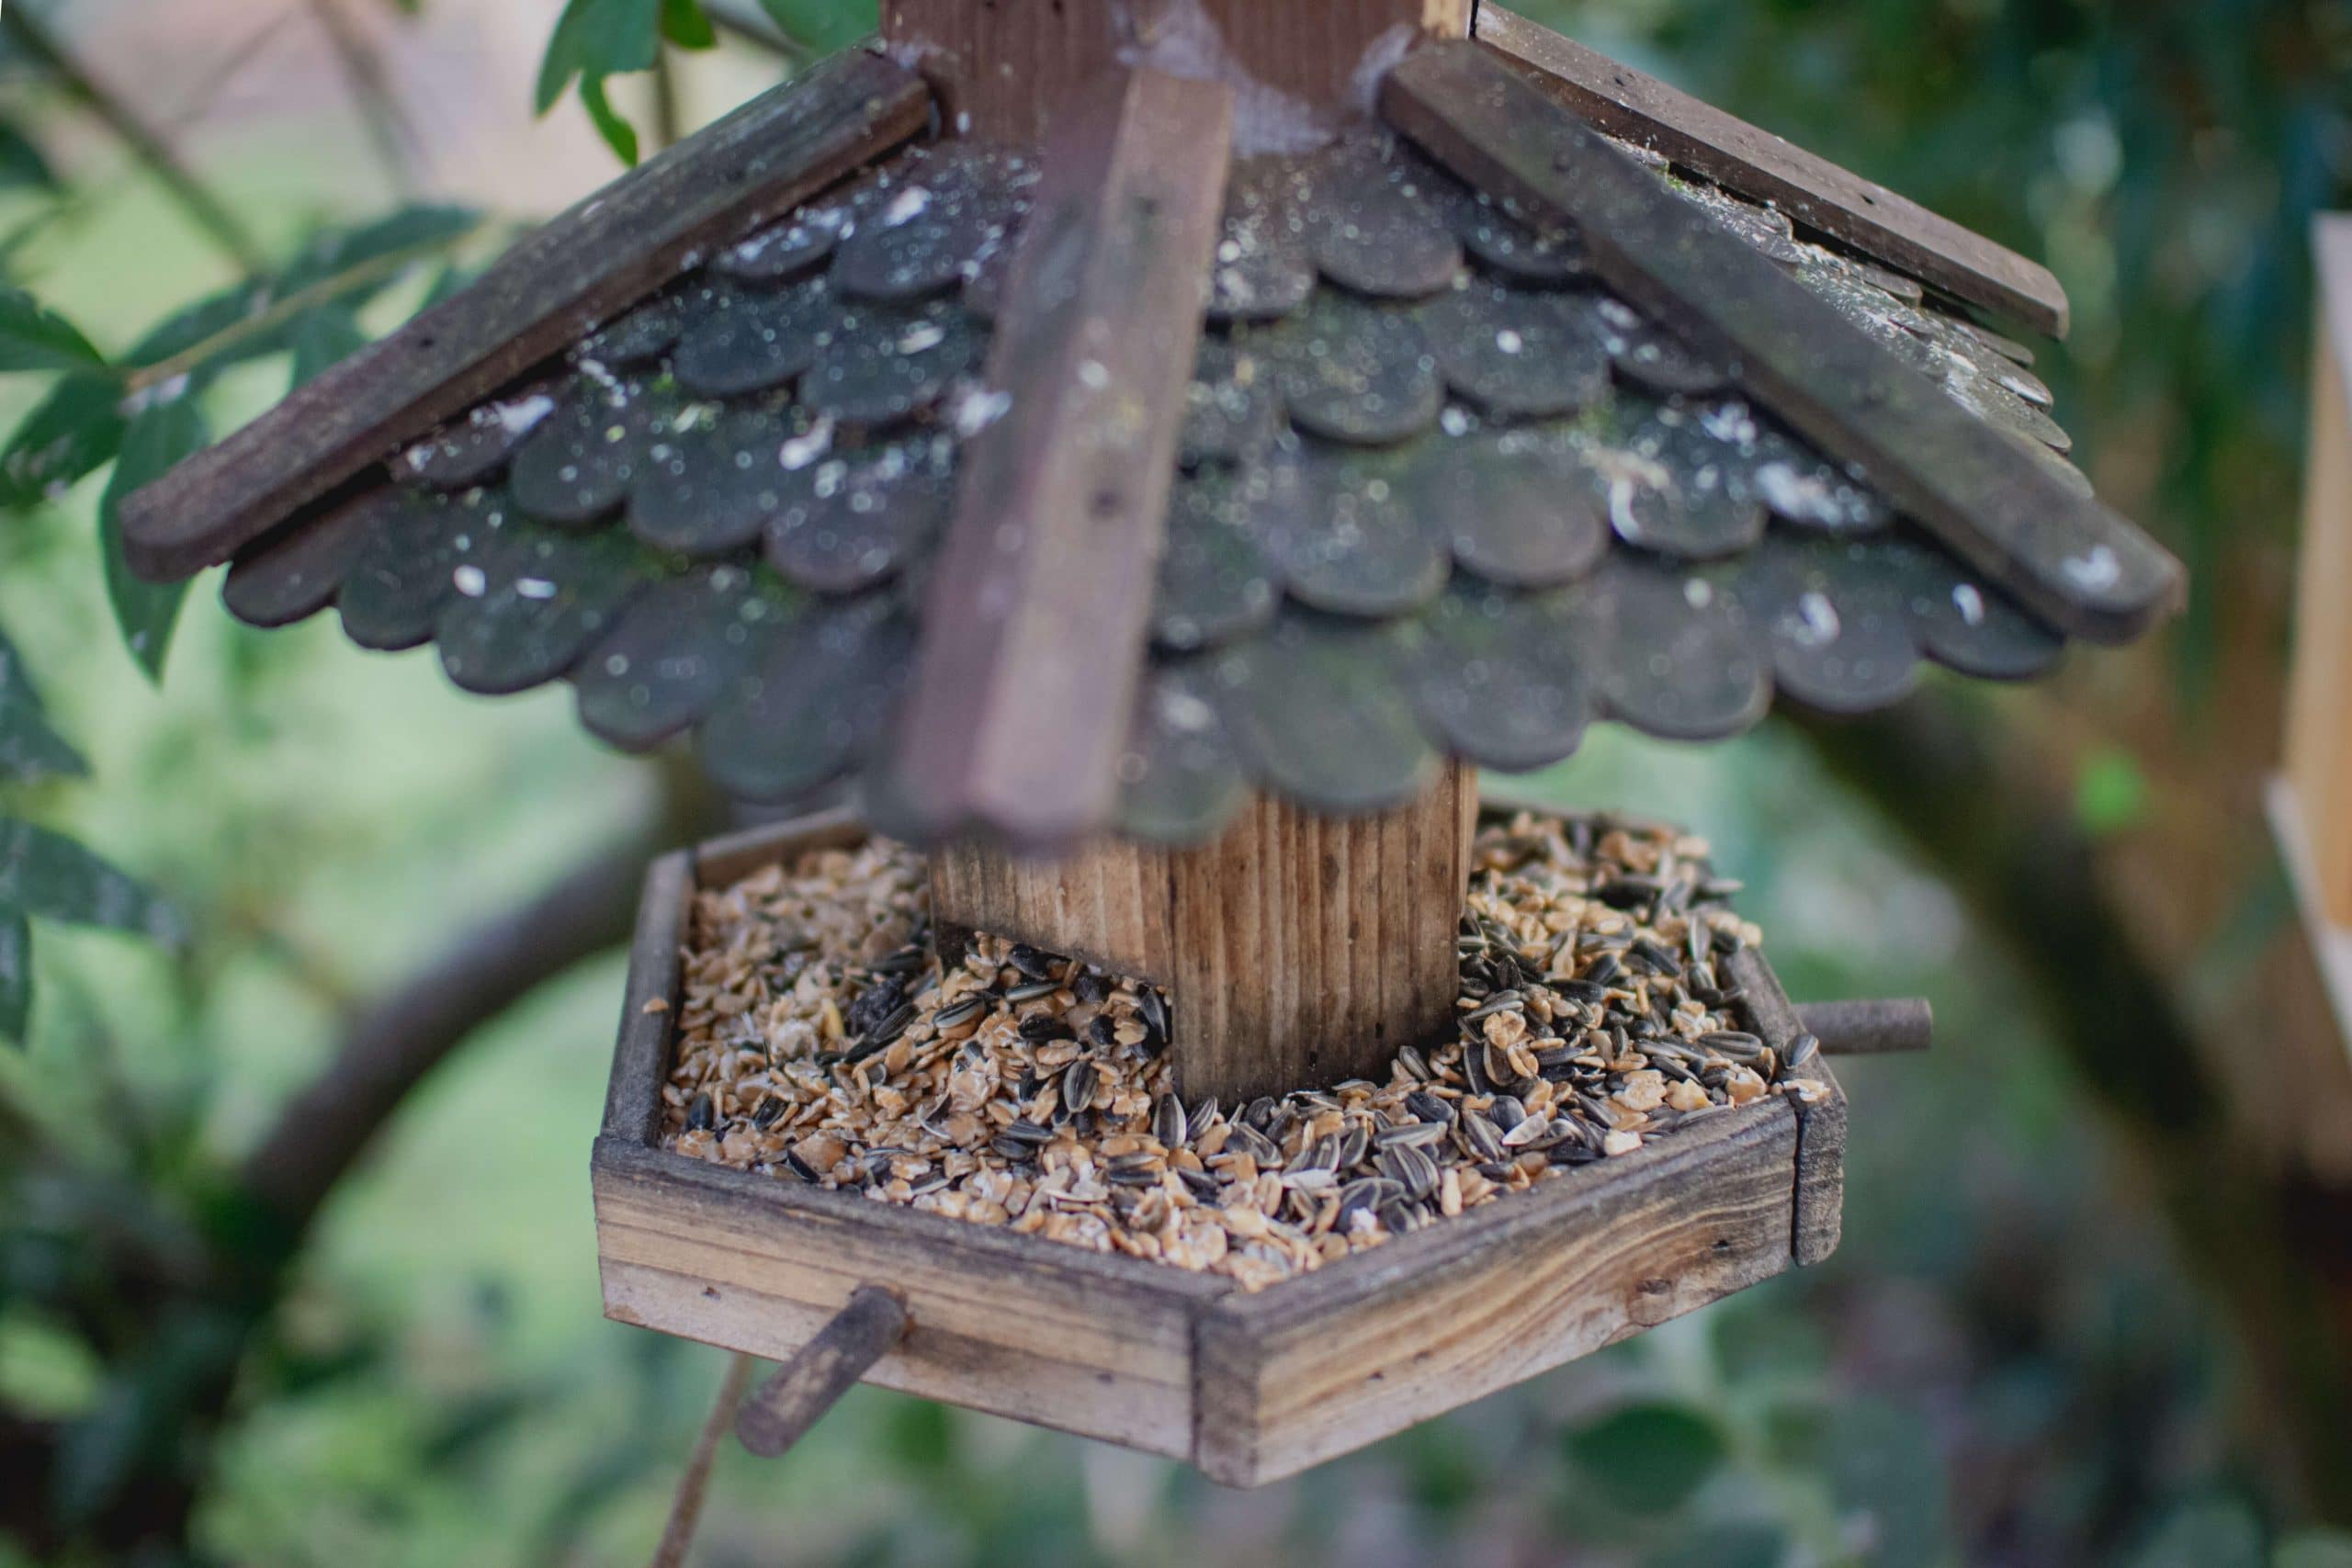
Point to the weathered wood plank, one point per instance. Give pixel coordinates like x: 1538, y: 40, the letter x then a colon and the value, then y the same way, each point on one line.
x: 1005, y: 69
x: 579, y: 270
x: 1756, y: 164
x: 1281, y: 971
x: 780, y: 1413
x: 1316, y: 1368
x: 1818, y: 1208
x: 718, y: 862
x: 641, y: 1054
x: 2319, y: 690
x: 1036, y: 1330
x: 1248, y: 1387
x: 1043, y: 593
x: 1986, y: 497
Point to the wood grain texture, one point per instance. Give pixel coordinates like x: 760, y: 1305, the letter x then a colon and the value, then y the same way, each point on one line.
x: 2319, y: 691
x: 641, y: 1054
x: 718, y: 862
x: 1877, y: 1027
x: 1818, y: 1213
x: 1741, y: 157
x: 1318, y: 1367
x: 1976, y: 488
x: 1025, y: 686
x: 782, y: 1409
x: 1036, y: 1330
x: 1005, y: 69
x: 577, y: 271
x: 1297, y: 948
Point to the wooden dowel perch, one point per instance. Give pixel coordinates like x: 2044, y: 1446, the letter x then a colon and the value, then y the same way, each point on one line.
x: 810, y: 1384
x: 1877, y: 1028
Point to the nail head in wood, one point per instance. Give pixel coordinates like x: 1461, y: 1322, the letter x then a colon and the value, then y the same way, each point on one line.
x: 782, y: 1409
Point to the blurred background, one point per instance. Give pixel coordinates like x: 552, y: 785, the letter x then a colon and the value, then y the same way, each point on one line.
x: 296, y: 1260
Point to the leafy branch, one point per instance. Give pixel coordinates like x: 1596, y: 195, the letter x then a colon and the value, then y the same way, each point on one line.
x: 141, y: 413
x: 596, y: 41
x: 194, y: 196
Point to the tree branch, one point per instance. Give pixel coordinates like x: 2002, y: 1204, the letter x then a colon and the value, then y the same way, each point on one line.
x: 193, y: 194
x: 407, y: 1033
x: 1991, y: 819
x: 386, y: 123
x: 694, y: 1484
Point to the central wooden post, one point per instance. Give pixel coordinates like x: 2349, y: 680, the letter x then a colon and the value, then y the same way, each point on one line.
x: 1297, y: 950
x: 1003, y: 68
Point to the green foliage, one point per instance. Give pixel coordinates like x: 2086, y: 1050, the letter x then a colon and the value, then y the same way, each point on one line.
x: 143, y: 412
x: 2111, y: 792
x: 32, y: 338
x: 159, y: 436
x: 29, y: 747
x: 1651, y: 1458
x: 597, y: 39
x: 821, y: 27
x: 23, y: 165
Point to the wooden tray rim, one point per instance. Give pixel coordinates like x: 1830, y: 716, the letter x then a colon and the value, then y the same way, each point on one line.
x: 629, y: 1141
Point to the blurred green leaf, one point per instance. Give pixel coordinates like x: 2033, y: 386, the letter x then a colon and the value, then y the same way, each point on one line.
x: 29, y: 748
x: 2213, y: 1533
x: 2111, y: 791
x: 16, y: 976
x: 198, y: 322
x: 823, y: 26
x: 50, y: 877
x: 1650, y: 1457
x: 363, y: 249
x: 684, y: 23
x: 23, y: 166
x: 146, y: 612
x: 1882, y: 1465
x: 72, y: 432
x: 594, y: 39
x: 1710, y: 1544
x: 33, y: 337
x: 2314, y: 1549
x: 324, y: 338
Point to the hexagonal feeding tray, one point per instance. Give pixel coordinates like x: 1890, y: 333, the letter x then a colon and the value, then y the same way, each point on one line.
x: 1248, y: 1385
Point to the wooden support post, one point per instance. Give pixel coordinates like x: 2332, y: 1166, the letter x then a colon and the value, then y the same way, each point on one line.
x: 1025, y: 684
x: 1297, y: 950
x: 1003, y: 67
x: 2319, y: 693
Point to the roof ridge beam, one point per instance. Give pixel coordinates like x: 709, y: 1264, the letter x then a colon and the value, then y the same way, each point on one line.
x: 1752, y: 162
x: 1042, y: 595
x: 1979, y: 490
x: 572, y: 275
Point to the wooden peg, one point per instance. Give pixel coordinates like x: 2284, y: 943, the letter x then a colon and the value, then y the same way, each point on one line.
x: 813, y: 1381
x: 1877, y: 1028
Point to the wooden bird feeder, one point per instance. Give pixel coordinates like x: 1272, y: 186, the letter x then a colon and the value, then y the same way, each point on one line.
x: 1158, y: 452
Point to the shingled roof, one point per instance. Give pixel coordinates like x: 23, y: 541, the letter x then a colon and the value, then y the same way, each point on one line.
x: 1495, y: 426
